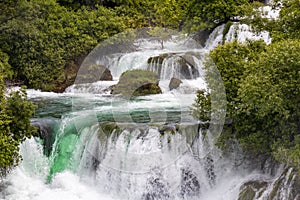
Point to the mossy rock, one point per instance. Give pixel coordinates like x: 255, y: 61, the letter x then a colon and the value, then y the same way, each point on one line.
x: 249, y: 189
x: 174, y: 83
x: 288, y: 183
x: 137, y: 83
x: 93, y: 73
x: 106, y: 129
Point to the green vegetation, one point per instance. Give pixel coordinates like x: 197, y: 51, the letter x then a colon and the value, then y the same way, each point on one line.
x: 15, y: 114
x: 202, y: 107
x: 208, y: 14
x: 262, y: 89
x: 44, y: 40
x: 137, y: 83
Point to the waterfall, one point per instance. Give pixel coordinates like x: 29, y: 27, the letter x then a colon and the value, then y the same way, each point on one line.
x: 94, y: 145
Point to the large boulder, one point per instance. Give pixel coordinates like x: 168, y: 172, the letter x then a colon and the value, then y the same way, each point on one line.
x: 93, y: 73
x: 137, y: 83
x: 174, y: 83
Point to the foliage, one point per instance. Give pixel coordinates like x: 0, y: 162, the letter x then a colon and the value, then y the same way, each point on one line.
x: 288, y: 25
x: 269, y: 113
x: 137, y: 83
x: 201, y: 109
x: 208, y: 14
x: 231, y: 60
x: 15, y: 114
x: 42, y: 38
x: 262, y: 88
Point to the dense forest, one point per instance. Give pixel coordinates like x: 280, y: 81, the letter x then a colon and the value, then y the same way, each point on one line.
x: 43, y: 43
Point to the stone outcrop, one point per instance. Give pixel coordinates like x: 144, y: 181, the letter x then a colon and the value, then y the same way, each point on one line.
x: 137, y: 83
x: 93, y: 73
x: 174, y: 83
x: 285, y: 187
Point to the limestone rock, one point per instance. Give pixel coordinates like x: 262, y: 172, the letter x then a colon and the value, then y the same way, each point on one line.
x: 137, y: 83
x: 93, y: 73
x: 174, y: 83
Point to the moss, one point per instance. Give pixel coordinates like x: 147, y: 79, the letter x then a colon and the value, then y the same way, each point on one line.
x: 137, y: 83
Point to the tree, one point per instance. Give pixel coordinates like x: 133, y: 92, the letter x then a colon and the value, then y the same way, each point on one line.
x: 231, y: 59
x: 47, y: 39
x: 288, y: 25
x: 201, y: 109
x: 208, y: 14
x: 15, y: 114
x: 269, y: 111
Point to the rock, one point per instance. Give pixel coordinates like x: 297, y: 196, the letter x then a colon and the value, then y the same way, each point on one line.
x: 287, y: 185
x: 156, y: 188
x: 187, y: 65
x: 46, y: 131
x: 159, y: 59
x: 202, y: 35
x: 190, y: 185
x: 174, y: 83
x: 137, y: 83
x: 252, y: 189
x: 188, y: 68
x: 93, y: 73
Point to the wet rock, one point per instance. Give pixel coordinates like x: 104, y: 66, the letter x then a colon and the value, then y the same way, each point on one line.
x: 188, y: 68
x: 174, y: 83
x: 159, y: 59
x: 185, y: 64
x: 252, y: 190
x: 287, y: 186
x: 46, y: 131
x: 93, y: 73
x: 202, y: 35
x: 156, y: 188
x: 210, y: 169
x: 190, y: 185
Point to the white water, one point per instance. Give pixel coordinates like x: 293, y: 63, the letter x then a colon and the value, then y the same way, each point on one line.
x: 242, y: 32
x: 128, y: 171
x: 27, y: 182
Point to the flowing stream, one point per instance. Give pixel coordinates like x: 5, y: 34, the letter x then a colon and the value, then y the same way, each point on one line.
x: 95, y: 145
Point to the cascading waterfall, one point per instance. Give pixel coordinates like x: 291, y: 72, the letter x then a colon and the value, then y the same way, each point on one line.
x: 97, y: 146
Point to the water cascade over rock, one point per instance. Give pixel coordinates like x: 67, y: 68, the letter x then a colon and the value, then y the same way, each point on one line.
x: 98, y: 145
